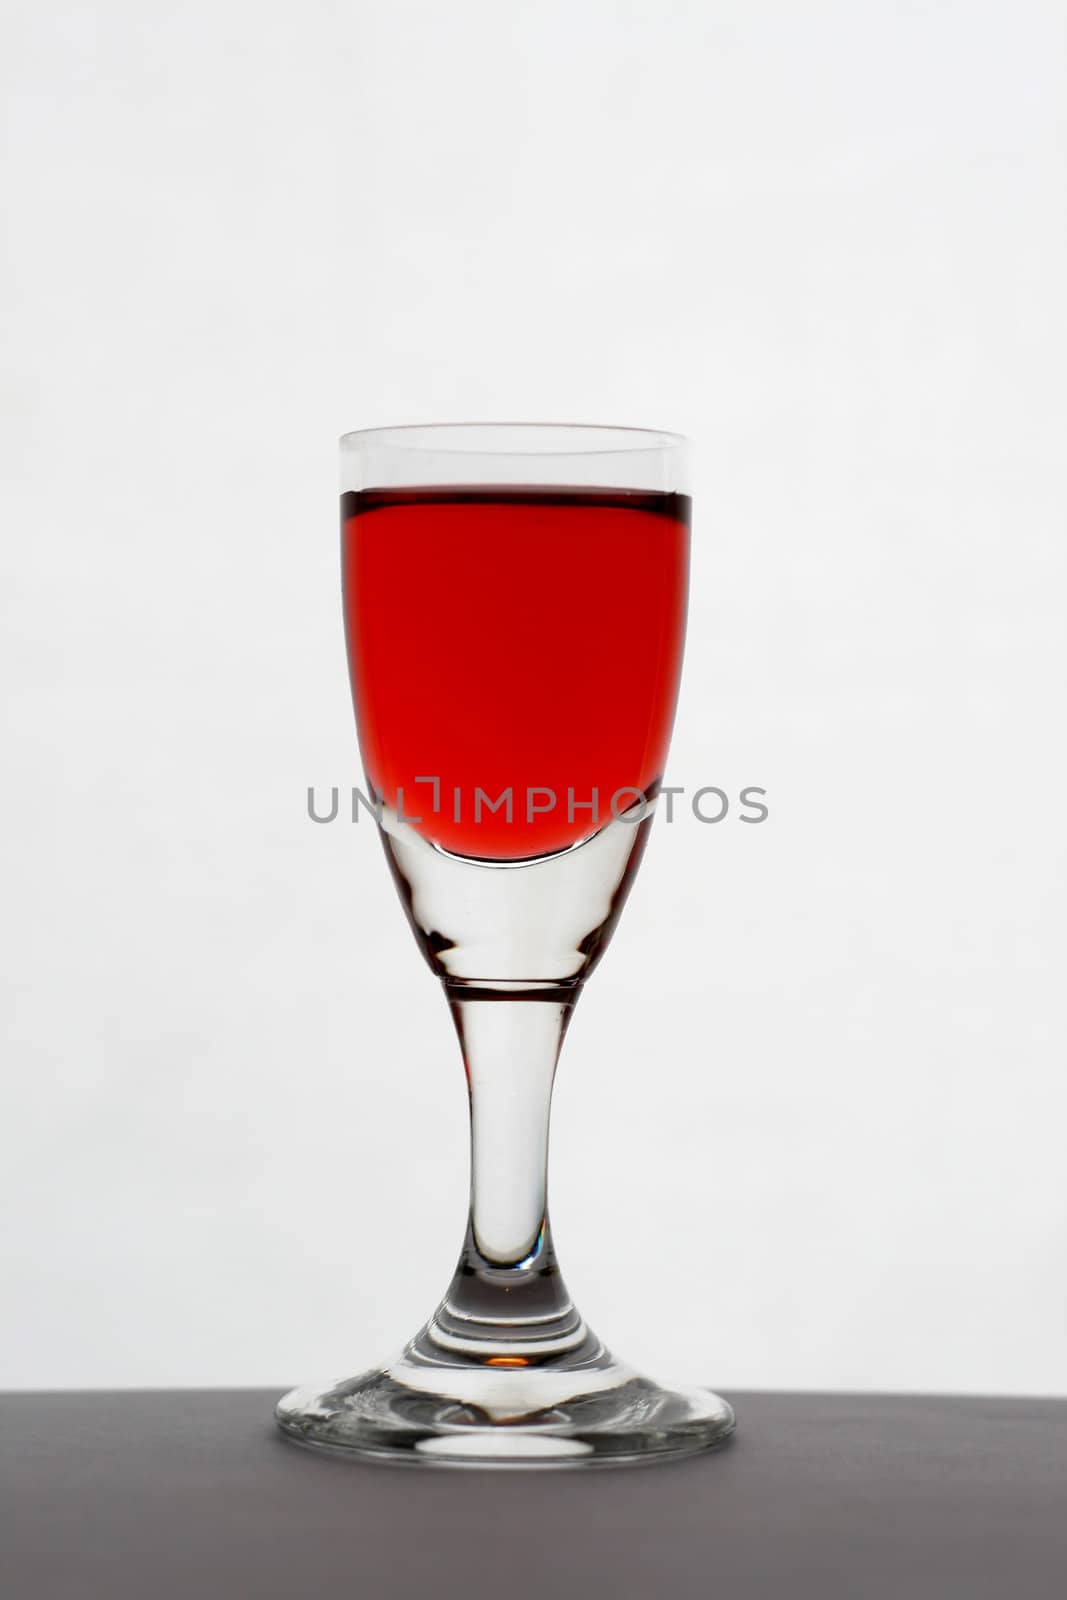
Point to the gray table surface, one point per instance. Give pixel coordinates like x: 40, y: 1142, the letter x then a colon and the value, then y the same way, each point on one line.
x: 156, y: 1495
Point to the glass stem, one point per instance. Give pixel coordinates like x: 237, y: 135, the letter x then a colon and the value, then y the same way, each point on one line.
x: 507, y: 1302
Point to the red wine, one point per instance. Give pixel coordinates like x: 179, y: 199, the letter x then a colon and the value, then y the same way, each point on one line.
x: 522, y: 642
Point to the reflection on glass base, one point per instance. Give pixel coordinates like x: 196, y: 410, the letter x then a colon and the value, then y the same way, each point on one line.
x: 474, y: 1416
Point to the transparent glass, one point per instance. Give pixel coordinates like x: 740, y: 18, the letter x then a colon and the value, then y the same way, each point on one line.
x: 515, y: 602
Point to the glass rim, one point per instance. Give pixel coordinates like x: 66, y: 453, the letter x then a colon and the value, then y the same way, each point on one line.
x: 515, y: 438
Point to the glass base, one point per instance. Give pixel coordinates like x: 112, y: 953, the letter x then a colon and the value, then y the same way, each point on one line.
x: 601, y: 1413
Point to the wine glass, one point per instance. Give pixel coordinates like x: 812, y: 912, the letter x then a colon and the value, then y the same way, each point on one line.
x: 514, y: 599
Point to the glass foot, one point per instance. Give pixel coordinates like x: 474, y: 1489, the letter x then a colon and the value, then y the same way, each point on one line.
x: 598, y: 1414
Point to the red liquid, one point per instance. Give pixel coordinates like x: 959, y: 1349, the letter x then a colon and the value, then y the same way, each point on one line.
x: 514, y: 638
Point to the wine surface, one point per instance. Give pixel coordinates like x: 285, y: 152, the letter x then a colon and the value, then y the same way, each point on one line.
x: 521, y: 643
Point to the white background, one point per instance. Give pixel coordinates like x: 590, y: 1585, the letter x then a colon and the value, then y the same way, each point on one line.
x: 810, y: 1120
